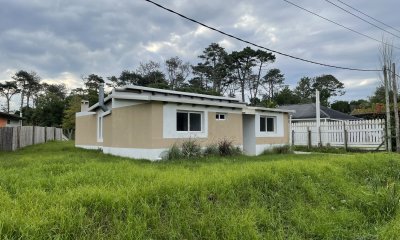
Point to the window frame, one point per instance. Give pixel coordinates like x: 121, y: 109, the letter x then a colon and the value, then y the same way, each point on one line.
x: 100, y: 127
x: 264, y: 118
x: 188, y: 121
x: 218, y: 116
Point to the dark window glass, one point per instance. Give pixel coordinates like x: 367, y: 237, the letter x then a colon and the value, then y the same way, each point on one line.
x: 195, y: 122
x: 270, y: 125
x: 216, y: 116
x: 181, y: 121
x: 262, y: 124
x: 222, y: 116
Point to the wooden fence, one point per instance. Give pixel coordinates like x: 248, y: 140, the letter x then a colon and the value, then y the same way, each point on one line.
x: 13, y: 138
x: 366, y: 134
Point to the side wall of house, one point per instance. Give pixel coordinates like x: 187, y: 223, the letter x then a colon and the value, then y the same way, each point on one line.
x: 265, y: 141
x: 148, y: 129
x: 86, y: 131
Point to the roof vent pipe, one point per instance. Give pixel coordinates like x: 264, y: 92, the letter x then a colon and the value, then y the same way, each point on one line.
x: 101, y: 98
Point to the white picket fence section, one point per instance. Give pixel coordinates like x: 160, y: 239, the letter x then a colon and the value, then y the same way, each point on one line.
x: 366, y: 134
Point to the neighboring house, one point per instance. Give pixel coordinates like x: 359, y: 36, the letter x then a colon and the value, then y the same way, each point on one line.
x: 307, y: 113
x: 143, y: 122
x: 9, y: 120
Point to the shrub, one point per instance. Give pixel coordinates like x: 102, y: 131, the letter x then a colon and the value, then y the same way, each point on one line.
x: 174, y: 152
x: 191, y: 149
x: 284, y: 149
x: 226, y: 148
x: 211, y: 150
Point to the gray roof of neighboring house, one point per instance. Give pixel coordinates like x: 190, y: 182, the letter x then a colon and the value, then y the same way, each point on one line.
x: 10, y: 116
x: 307, y: 111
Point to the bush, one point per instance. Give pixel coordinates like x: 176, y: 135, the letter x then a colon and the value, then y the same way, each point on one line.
x: 174, y: 152
x: 284, y: 149
x: 191, y: 149
x: 226, y: 148
x: 211, y: 150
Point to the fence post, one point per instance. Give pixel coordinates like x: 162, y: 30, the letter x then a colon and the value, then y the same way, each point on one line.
x: 345, y: 140
x: 309, y: 144
x: 45, y: 134
x: 292, y: 137
x: 33, y: 135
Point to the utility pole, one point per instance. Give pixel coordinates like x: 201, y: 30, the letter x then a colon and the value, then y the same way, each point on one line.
x: 396, y: 108
x: 318, y: 117
x: 388, y: 125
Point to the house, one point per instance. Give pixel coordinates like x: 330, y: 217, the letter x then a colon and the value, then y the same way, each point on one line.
x: 9, y: 120
x: 307, y: 113
x: 142, y: 122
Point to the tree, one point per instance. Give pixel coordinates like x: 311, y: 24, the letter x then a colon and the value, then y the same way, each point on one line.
x: 304, y: 90
x: 273, y: 81
x: 177, y: 71
x: 328, y: 86
x: 151, y: 75
x: 126, y: 78
x: 213, y: 72
x: 286, y: 96
x: 8, y: 90
x: 379, y: 95
x: 33, y: 87
x: 341, y: 106
x: 68, y: 122
x: 50, y: 106
x: 23, y: 78
x: 92, y: 84
x: 242, y: 64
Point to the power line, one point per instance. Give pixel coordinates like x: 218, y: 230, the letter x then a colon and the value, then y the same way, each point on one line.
x: 355, y: 9
x: 341, y: 25
x: 259, y: 46
x: 362, y: 19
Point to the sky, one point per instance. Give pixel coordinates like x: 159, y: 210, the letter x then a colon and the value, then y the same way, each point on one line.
x: 65, y: 40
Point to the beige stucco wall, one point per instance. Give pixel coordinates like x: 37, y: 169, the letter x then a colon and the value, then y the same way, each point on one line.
x: 277, y: 140
x: 86, y: 130
x: 141, y: 126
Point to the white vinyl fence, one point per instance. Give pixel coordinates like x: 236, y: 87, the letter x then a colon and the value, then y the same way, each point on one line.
x: 366, y: 134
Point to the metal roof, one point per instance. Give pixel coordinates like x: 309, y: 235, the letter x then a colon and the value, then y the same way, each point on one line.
x: 307, y: 111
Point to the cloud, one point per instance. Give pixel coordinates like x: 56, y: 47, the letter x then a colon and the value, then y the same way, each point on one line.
x: 63, y: 40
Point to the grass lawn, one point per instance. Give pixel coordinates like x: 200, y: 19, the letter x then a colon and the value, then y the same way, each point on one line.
x: 54, y: 191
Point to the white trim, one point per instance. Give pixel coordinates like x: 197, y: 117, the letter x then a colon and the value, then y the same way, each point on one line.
x: 279, y: 125
x: 82, y: 114
x: 90, y: 147
x: 169, y: 121
x: 253, y: 110
x: 260, y: 148
x: 137, y: 153
x: 218, y: 116
x: 177, y: 93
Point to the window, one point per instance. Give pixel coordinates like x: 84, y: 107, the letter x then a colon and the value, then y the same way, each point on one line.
x: 220, y: 116
x: 188, y: 121
x: 262, y: 124
x: 267, y: 124
x: 8, y: 121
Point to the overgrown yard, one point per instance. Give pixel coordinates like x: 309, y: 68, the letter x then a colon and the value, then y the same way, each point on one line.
x: 54, y: 191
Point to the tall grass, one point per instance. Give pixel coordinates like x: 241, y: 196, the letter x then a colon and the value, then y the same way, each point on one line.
x: 54, y: 191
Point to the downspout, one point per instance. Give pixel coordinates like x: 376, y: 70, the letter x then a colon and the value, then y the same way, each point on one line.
x: 101, y: 98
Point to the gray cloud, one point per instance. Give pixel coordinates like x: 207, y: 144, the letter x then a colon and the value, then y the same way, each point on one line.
x: 63, y: 40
